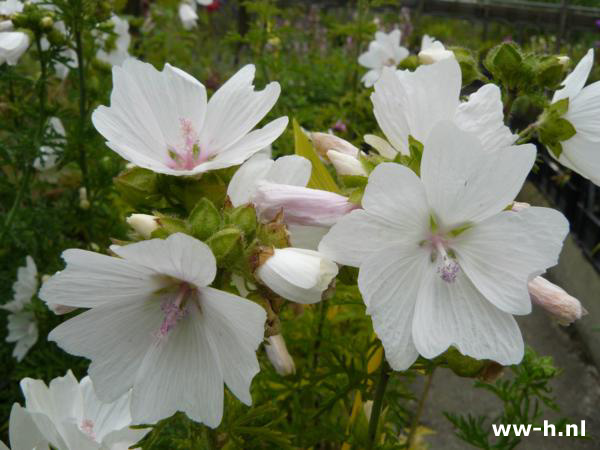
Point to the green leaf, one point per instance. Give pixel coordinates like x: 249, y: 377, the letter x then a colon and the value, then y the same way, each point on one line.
x: 320, y: 177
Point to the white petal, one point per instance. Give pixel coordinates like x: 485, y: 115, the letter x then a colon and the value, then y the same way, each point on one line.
x: 576, y: 79
x: 358, y: 235
x: 501, y: 254
x: 395, y: 194
x: 235, y: 109
x: 584, y: 112
x: 466, y: 183
x: 180, y: 373
x: 235, y: 328
x: 244, y: 148
x: 91, y: 279
x: 180, y: 256
x: 483, y: 115
x: 23, y: 432
x: 410, y: 103
x: 583, y: 157
x: 457, y: 314
x: 389, y: 281
x: 116, y: 338
x: 293, y: 170
x: 371, y: 77
x: 243, y: 183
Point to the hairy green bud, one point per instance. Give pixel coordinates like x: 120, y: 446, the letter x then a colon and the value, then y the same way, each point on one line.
x: 204, y: 220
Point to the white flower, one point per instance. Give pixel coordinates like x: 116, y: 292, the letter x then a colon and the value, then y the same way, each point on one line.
x: 285, y: 171
x: 433, y: 51
x: 155, y: 325
x: 22, y: 326
x: 384, y: 51
x: 144, y: 224
x: 10, y: 7
x: 120, y: 53
x: 12, y: 45
x: 23, y: 432
x: 345, y: 164
x: 188, y: 15
x: 70, y: 416
x: 161, y: 120
x: 412, y: 103
x: 46, y: 163
x: 279, y: 356
x: 580, y: 152
x: 440, y: 261
x: 564, y: 308
x: 297, y: 274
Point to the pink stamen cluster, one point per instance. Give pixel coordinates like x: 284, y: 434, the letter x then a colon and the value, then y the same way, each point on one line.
x: 87, y: 426
x: 174, y: 310
x: 188, y: 156
x: 449, y: 268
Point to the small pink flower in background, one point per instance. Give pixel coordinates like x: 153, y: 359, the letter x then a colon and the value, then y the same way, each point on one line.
x: 340, y: 126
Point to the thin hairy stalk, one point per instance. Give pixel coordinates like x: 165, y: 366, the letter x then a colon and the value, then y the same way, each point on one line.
x: 384, y: 377
x: 416, y: 419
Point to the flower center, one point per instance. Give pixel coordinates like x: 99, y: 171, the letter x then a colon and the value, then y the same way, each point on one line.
x: 448, y: 268
x: 87, y: 426
x: 187, y: 155
x: 174, y: 308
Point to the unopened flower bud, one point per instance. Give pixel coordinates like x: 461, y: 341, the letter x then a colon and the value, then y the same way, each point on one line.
x: 144, y: 224
x: 345, y: 164
x: 84, y: 203
x: 562, y: 307
x: 227, y: 246
x: 187, y: 15
x: 564, y: 61
x: 46, y: 23
x: 279, y: 356
x: 297, y: 274
x: 300, y: 205
x: 324, y: 142
x: 244, y: 217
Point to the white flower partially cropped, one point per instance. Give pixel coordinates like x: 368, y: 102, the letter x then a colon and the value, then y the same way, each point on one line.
x: 46, y: 163
x: 581, y: 152
x: 384, y: 51
x: 412, y: 103
x: 156, y: 326
x: 117, y: 55
x: 22, y: 326
x: 12, y: 46
x: 297, y: 274
x: 161, y: 120
x: 187, y: 14
x: 433, y: 51
x: 441, y: 262
x: 69, y: 415
x: 290, y: 170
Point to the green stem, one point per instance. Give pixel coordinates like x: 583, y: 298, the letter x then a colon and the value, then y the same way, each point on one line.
x: 82, y: 105
x: 37, y: 142
x: 322, y: 314
x: 384, y: 377
x: 526, y: 134
x: 416, y: 419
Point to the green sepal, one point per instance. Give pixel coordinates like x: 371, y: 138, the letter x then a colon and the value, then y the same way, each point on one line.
x: 461, y: 365
x: 560, y: 107
x: 138, y: 187
x: 204, y: 220
x: 244, y: 218
x: 228, y: 247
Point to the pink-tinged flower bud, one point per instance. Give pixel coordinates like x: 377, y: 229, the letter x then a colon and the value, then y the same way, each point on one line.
x: 144, y: 224
x: 297, y: 274
x: 345, y: 164
x: 519, y: 206
x: 279, y: 356
x: 324, y: 142
x: 300, y: 205
x: 564, y: 308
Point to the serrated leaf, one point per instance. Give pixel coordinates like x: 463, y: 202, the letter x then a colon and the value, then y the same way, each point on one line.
x: 320, y: 177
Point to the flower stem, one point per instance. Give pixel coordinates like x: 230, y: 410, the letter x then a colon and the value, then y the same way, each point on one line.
x: 82, y: 103
x: 415, y: 423
x: 384, y: 377
x: 526, y: 134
